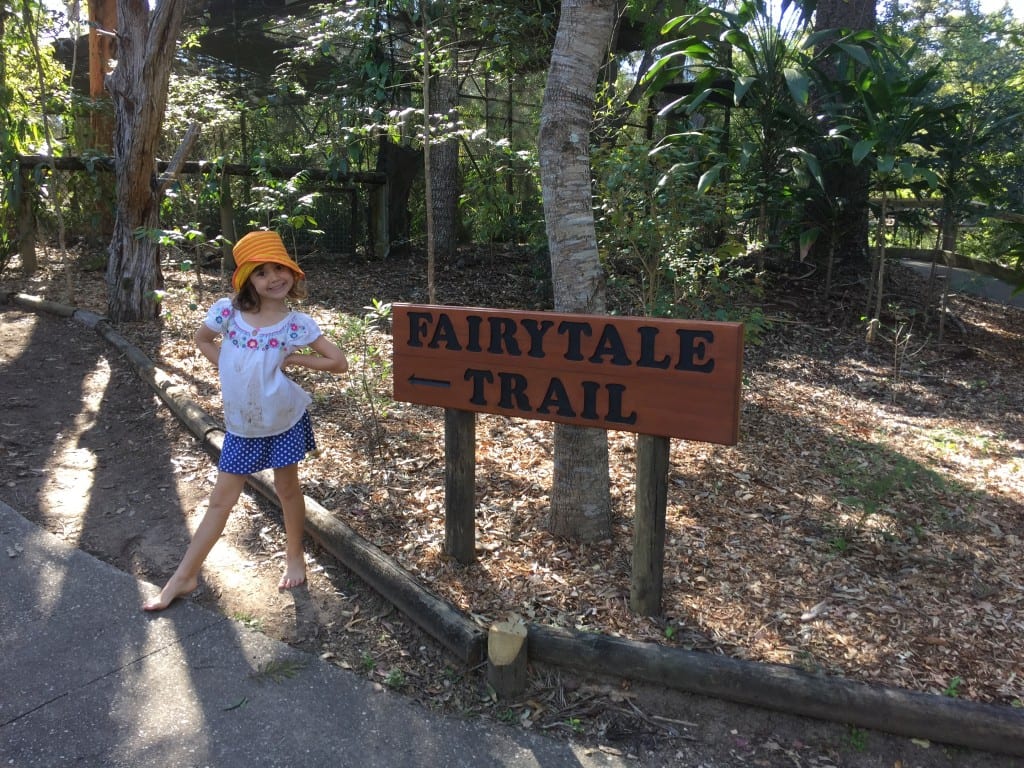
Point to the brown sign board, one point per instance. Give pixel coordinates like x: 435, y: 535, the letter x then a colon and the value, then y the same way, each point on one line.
x: 654, y: 376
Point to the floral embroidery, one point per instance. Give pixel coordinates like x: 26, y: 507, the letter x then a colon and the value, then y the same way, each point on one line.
x: 258, y: 341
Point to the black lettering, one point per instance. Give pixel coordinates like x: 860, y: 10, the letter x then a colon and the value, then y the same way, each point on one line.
x: 473, y: 344
x: 479, y: 378
x: 692, y: 347
x: 445, y: 335
x: 615, y: 392
x: 576, y: 331
x: 418, y: 324
x: 513, y: 387
x: 556, y: 397
x: 648, y: 335
x: 503, y: 333
x: 610, y: 343
x: 590, y: 390
x: 537, y: 331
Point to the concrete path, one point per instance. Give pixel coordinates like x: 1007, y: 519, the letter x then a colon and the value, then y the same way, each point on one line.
x: 966, y: 281
x: 88, y: 679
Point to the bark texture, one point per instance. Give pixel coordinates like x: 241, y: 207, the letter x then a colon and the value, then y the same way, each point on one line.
x: 444, y: 157
x: 138, y: 86
x: 580, y: 497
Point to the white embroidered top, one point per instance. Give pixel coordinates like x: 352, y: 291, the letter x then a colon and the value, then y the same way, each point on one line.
x: 259, y: 400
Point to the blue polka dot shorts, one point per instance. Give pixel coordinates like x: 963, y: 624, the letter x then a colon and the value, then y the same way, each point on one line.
x: 245, y: 455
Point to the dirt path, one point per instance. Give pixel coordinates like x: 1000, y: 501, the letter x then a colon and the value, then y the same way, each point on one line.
x: 89, y: 453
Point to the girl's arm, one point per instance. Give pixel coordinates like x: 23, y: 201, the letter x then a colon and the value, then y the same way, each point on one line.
x: 206, y: 342
x: 328, y: 357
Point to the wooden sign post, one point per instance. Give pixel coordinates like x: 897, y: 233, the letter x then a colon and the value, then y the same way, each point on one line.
x: 657, y: 377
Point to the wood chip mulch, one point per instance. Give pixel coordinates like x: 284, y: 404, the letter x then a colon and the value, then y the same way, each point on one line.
x: 869, y: 524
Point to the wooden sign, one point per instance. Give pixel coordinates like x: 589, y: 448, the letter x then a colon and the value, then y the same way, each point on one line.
x: 654, y: 376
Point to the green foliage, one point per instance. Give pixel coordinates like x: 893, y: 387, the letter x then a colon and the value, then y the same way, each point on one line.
x: 922, y: 117
x: 366, y: 344
x: 574, y: 724
x: 751, y: 81
x: 664, y: 243
x: 31, y: 97
x: 500, y: 200
x: 283, y: 205
x: 1005, y: 238
x: 857, y: 738
x: 32, y: 103
x: 395, y: 679
x: 886, y: 111
x: 978, y: 158
x: 953, y: 689
x: 932, y: 107
x: 198, y: 98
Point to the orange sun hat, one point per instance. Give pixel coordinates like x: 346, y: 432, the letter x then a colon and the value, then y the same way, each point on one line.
x: 260, y: 247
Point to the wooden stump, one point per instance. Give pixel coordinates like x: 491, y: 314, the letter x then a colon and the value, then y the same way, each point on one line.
x: 506, y: 657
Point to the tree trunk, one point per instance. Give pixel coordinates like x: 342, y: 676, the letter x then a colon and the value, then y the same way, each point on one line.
x: 27, y: 223
x: 146, y: 46
x: 402, y: 165
x: 879, y: 272
x: 102, y: 51
x: 428, y: 176
x: 580, y: 497
x: 445, y: 169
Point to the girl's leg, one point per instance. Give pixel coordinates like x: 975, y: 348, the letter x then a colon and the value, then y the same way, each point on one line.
x: 293, y: 508
x: 186, y: 578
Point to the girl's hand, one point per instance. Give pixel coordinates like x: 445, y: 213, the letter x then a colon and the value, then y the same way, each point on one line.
x: 328, y: 357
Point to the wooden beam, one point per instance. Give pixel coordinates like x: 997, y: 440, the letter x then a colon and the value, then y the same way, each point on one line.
x: 786, y: 689
x: 106, y: 164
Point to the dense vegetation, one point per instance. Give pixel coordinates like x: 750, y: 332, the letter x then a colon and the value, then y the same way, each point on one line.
x: 715, y: 137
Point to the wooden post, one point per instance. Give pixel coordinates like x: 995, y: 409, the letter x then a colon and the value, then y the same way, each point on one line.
x: 459, y: 484
x: 506, y: 657
x: 27, y: 223
x: 379, y: 225
x: 649, y: 524
x: 227, y: 225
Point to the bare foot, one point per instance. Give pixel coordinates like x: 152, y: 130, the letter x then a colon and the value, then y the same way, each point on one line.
x: 294, y: 574
x: 171, y: 592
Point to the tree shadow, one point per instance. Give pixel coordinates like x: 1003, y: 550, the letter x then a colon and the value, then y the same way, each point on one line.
x: 88, y: 458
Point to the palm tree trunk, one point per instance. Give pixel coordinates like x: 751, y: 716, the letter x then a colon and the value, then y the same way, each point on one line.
x: 580, y: 496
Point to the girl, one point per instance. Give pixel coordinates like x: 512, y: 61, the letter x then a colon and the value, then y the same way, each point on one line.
x: 264, y: 411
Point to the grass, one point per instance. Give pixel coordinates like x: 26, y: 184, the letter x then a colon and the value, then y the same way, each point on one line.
x: 877, y: 482
x: 953, y: 689
x: 248, y: 620
x: 278, y: 670
x: 395, y: 679
x: 857, y: 738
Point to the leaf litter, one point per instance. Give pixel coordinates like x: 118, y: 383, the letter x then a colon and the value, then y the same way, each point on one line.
x: 867, y: 525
